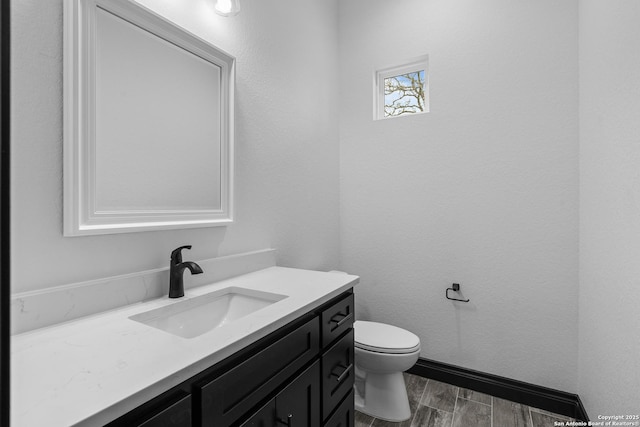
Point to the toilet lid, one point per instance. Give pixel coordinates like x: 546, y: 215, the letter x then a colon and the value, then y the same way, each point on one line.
x: 383, y: 338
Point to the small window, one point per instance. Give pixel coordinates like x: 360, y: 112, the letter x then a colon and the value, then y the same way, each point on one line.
x: 402, y: 90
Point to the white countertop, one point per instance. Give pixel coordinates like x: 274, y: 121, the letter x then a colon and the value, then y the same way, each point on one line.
x: 92, y: 370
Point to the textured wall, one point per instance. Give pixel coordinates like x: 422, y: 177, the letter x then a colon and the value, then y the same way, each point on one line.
x: 483, y: 190
x: 286, y: 144
x: 609, y: 368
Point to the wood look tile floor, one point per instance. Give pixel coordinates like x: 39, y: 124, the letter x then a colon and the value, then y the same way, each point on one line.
x: 436, y: 404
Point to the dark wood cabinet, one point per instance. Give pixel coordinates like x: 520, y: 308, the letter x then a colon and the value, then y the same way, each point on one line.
x: 343, y: 416
x: 337, y: 319
x: 338, y: 370
x: 298, y: 405
x: 226, y: 398
x: 299, y: 376
x: 265, y: 417
x: 176, y: 414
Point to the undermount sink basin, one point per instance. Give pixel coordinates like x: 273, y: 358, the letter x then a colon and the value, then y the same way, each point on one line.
x: 195, y: 316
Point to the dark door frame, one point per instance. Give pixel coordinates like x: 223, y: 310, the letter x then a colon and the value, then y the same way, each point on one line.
x: 5, y: 243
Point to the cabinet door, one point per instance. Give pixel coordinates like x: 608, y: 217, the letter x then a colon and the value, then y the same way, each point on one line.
x: 265, y: 417
x: 344, y: 415
x: 298, y: 405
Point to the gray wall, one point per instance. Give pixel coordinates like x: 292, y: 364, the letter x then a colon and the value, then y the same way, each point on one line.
x: 286, y: 145
x: 609, y: 368
x: 482, y: 191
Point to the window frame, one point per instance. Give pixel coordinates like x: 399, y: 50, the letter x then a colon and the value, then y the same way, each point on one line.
x: 380, y: 74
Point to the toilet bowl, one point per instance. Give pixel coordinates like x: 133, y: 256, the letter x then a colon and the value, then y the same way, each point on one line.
x: 382, y: 353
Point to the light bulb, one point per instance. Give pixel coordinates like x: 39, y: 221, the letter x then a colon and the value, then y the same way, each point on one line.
x: 227, y: 7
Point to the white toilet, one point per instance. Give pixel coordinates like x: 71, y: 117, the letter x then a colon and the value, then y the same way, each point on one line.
x: 382, y: 353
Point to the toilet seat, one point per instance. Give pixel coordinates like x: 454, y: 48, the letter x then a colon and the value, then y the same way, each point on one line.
x: 383, y: 338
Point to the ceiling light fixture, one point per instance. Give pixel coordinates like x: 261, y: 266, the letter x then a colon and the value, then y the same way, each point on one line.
x: 227, y: 7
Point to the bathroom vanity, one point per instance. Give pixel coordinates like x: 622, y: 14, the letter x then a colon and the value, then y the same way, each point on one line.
x: 289, y: 362
x: 301, y: 375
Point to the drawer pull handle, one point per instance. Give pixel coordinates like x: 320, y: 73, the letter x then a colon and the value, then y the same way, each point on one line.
x: 345, y: 318
x: 344, y: 373
x: 286, y: 422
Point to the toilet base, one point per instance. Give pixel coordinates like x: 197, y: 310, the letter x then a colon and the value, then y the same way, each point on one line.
x: 385, y: 397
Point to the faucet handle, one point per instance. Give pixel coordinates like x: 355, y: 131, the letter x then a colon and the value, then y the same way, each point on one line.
x: 176, y: 254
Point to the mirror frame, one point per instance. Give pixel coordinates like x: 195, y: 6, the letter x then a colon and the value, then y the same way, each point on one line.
x: 80, y: 32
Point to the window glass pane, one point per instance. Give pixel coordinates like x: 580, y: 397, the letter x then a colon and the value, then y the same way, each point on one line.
x: 404, y: 94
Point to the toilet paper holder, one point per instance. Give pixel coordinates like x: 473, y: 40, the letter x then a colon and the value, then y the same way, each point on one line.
x: 456, y: 288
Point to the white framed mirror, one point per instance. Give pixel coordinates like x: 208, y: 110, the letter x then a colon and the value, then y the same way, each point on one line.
x: 148, y: 123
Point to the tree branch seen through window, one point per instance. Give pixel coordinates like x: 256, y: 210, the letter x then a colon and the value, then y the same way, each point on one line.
x: 404, y: 94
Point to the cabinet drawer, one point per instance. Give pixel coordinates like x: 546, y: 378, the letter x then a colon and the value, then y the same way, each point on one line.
x: 344, y: 415
x: 338, y: 373
x: 337, y: 319
x: 226, y: 398
x: 175, y: 415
